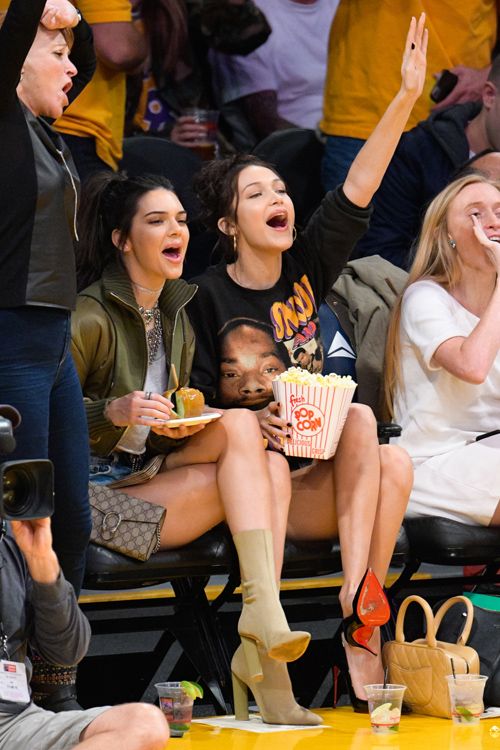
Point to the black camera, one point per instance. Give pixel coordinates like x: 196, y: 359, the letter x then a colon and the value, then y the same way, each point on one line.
x: 26, y: 487
x: 443, y: 86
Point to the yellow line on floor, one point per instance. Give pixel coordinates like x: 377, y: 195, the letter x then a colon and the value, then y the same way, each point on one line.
x: 213, y: 591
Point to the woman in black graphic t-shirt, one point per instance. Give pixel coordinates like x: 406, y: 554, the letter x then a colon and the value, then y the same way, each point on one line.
x: 272, y: 276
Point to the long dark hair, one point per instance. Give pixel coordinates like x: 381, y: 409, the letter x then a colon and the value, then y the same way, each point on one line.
x: 166, y: 26
x: 216, y: 186
x: 109, y: 201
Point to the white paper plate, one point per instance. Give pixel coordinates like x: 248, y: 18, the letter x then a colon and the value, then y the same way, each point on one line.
x: 188, y: 421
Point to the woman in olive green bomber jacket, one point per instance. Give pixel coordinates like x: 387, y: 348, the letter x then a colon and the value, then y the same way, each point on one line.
x: 132, y: 341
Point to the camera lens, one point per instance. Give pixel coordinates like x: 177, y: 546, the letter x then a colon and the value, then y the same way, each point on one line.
x: 17, y: 491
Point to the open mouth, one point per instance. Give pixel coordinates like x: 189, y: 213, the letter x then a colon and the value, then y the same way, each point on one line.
x: 67, y: 87
x: 278, y: 221
x: 495, y: 238
x: 172, y: 253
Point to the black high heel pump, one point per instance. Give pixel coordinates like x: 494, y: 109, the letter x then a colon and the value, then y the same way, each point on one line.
x: 341, y: 675
x: 370, y: 610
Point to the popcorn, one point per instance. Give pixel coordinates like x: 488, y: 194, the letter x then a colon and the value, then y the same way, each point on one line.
x: 304, y: 377
x: 316, y: 406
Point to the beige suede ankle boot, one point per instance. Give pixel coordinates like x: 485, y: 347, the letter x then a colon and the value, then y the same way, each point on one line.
x: 262, y: 618
x: 273, y: 695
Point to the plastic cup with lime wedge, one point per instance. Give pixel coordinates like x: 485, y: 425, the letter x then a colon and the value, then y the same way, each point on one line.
x: 384, y: 707
x: 466, y: 697
x: 176, y: 702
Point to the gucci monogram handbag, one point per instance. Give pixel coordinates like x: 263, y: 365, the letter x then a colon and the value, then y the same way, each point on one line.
x: 125, y: 524
x: 422, y: 665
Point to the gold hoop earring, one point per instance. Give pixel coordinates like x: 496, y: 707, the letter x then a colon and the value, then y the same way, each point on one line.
x: 235, y: 245
x: 294, y: 233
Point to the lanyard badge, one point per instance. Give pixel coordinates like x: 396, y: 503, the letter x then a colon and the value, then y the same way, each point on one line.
x: 13, y: 680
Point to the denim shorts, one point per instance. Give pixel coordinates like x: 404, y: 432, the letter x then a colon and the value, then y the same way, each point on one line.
x: 107, y: 470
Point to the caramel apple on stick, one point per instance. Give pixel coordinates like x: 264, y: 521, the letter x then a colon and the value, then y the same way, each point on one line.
x: 189, y: 402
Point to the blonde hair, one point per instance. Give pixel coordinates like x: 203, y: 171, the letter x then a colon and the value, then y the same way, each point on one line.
x: 435, y: 259
x: 67, y: 32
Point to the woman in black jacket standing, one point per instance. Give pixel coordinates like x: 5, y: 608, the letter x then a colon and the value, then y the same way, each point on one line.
x: 46, y: 59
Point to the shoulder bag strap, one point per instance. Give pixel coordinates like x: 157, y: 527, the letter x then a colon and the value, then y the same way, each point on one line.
x: 443, y: 609
x: 431, y: 632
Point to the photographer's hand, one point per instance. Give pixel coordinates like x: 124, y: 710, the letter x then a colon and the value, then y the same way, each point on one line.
x: 34, y: 539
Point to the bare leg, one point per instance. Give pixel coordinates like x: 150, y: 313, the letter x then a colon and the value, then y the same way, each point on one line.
x: 357, y: 483
x: 396, y: 476
x: 361, y: 495
x: 396, y: 480
x: 132, y: 726
x: 191, y: 497
x: 344, y: 498
x: 495, y: 520
x: 254, y: 484
x: 222, y: 473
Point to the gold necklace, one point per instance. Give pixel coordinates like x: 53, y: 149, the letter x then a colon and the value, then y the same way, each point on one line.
x: 145, y: 288
x: 155, y: 333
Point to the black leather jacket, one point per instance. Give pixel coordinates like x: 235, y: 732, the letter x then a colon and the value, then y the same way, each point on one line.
x: 38, y: 181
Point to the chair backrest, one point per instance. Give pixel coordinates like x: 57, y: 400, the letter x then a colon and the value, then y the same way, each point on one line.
x: 296, y: 153
x: 156, y: 155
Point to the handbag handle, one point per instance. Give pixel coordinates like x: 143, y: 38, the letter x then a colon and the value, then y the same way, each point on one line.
x: 431, y: 633
x: 443, y: 609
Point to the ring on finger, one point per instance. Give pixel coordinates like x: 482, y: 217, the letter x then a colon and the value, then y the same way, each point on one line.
x: 148, y: 395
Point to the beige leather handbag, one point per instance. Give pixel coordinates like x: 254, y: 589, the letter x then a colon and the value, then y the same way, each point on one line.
x: 422, y: 665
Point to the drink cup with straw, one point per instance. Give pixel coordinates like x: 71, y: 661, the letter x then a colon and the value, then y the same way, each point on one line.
x: 384, y: 706
x: 466, y: 696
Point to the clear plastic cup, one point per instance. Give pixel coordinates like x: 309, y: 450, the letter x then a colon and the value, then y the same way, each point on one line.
x: 176, y: 705
x: 384, y: 707
x: 466, y: 697
x: 205, y: 145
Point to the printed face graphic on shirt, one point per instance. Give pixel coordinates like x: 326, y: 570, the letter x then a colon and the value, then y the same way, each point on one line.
x: 250, y: 359
x: 306, y: 349
x: 290, y: 316
x: 295, y: 323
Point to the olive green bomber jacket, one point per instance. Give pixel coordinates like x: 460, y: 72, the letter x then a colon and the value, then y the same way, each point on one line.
x: 110, y: 350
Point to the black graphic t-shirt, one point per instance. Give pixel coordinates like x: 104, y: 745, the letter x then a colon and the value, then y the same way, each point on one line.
x: 245, y: 337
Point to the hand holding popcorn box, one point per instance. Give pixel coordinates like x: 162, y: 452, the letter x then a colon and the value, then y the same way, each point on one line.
x: 316, y: 406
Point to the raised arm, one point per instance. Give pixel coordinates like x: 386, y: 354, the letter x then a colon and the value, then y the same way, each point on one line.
x: 16, y: 37
x: 471, y: 357
x: 60, y: 631
x: 119, y: 45
x: 368, y: 168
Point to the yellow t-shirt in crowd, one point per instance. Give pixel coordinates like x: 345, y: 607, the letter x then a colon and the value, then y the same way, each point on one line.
x: 99, y: 111
x: 366, y: 47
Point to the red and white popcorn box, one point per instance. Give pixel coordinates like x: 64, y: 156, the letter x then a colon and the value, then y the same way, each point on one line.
x: 316, y: 406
